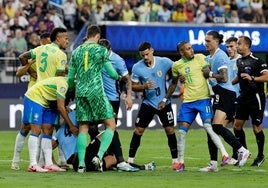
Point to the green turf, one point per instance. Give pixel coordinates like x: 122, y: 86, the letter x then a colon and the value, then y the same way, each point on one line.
x: 153, y: 147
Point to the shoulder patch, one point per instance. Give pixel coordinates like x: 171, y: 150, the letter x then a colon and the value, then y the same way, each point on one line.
x: 63, y: 62
x: 62, y: 89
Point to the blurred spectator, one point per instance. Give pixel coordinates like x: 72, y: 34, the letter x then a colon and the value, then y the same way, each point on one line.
x: 15, y: 27
x: 234, y: 17
x: 28, y: 8
x: 9, y: 10
x: 201, y: 16
x: 98, y: 15
x: 143, y: 12
x: 69, y: 8
x: 259, y: 16
x: 107, y: 5
x: 233, y: 5
x: 248, y: 16
x: 256, y: 4
x: 84, y: 16
x: 128, y: 14
x: 6, y: 49
x: 164, y: 14
x: 179, y: 14
x: 212, y: 13
x: 265, y: 10
x: 39, y: 13
x: 53, y: 16
x: 33, y: 41
x: 20, y: 17
x: 242, y: 4
x: 190, y: 12
x: 219, y: 6
x: 33, y: 22
x: 134, y: 5
x: 114, y: 14
x: 18, y: 4
x: 19, y: 44
x: 154, y: 8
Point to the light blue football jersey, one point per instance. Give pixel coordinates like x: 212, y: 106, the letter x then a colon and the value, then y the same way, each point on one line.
x: 142, y: 73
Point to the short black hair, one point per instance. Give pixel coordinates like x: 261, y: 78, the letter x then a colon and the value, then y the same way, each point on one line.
x: 144, y: 46
x: 93, y: 30
x: 247, y: 40
x: 106, y: 43
x: 44, y: 35
x: 55, y: 32
x: 180, y: 45
x: 216, y: 35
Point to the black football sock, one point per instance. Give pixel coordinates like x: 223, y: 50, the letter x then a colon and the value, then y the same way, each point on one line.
x: 172, y: 143
x: 260, y: 139
x: 134, y: 145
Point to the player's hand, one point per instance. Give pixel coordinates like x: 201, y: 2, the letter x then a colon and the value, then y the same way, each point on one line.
x: 149, y: 84
x: 129, y: 102
x: 161, y: 105
x: 74, y: 130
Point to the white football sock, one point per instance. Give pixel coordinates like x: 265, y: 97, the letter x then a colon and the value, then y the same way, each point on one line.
x: 181, y: 144
x: 33, y: 147
x: 19, y: 143
x: 216, y: 139
x: 46, y: 147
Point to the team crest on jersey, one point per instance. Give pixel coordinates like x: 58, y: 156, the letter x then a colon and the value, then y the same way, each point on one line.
x: 62, y: 89
x: 187, y: 70
x: 63, y: 62
x: 36, y: 116
x: 159, y: 73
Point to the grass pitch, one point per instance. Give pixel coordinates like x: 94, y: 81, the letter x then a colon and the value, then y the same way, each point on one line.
x: 153, y: 147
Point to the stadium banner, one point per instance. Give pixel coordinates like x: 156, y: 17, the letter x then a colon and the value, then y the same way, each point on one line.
x: 126, y: 36
x: 12, y: 109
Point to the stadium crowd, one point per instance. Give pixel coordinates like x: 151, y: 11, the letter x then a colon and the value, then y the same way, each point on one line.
x: 21, y: 21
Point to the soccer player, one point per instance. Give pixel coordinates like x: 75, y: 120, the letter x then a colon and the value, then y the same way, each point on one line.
x: 50, y: 59
x: 39, y: 115
x: 196, y: 97
x: 25, y: 129
x: 149, y: 77
x: 112, y: 90
x: 252, y: 73
x: 223, y: 101
x: 92, y: 104
x: 67, y: 141
x: 231, y: 48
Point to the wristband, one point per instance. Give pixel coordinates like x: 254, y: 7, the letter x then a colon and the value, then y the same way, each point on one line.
x: 164, y: 100
x: 252, y: 78
x: 210, y: 74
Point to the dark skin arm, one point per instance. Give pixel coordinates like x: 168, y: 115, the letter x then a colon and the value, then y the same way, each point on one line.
x: 170, y: 91
x: 64, y: 114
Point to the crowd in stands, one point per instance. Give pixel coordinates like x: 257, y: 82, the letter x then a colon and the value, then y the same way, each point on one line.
x: 22, y: 21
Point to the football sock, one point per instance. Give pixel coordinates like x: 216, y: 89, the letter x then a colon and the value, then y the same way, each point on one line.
x: 106, y: 140
x: 260, y: 139
x: 181, y: 143
x: 81, y: 148
x: 116, y: 148
x: 172, y: 143
x: 212, y: 148
x: 240, y: 135
x: 32, y: 147
x: 134, y: 145
x: 61, y: 157
x: 19, y: 143
x: 227, y: 135
x: 216, y: 139
x: 46, y: 148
